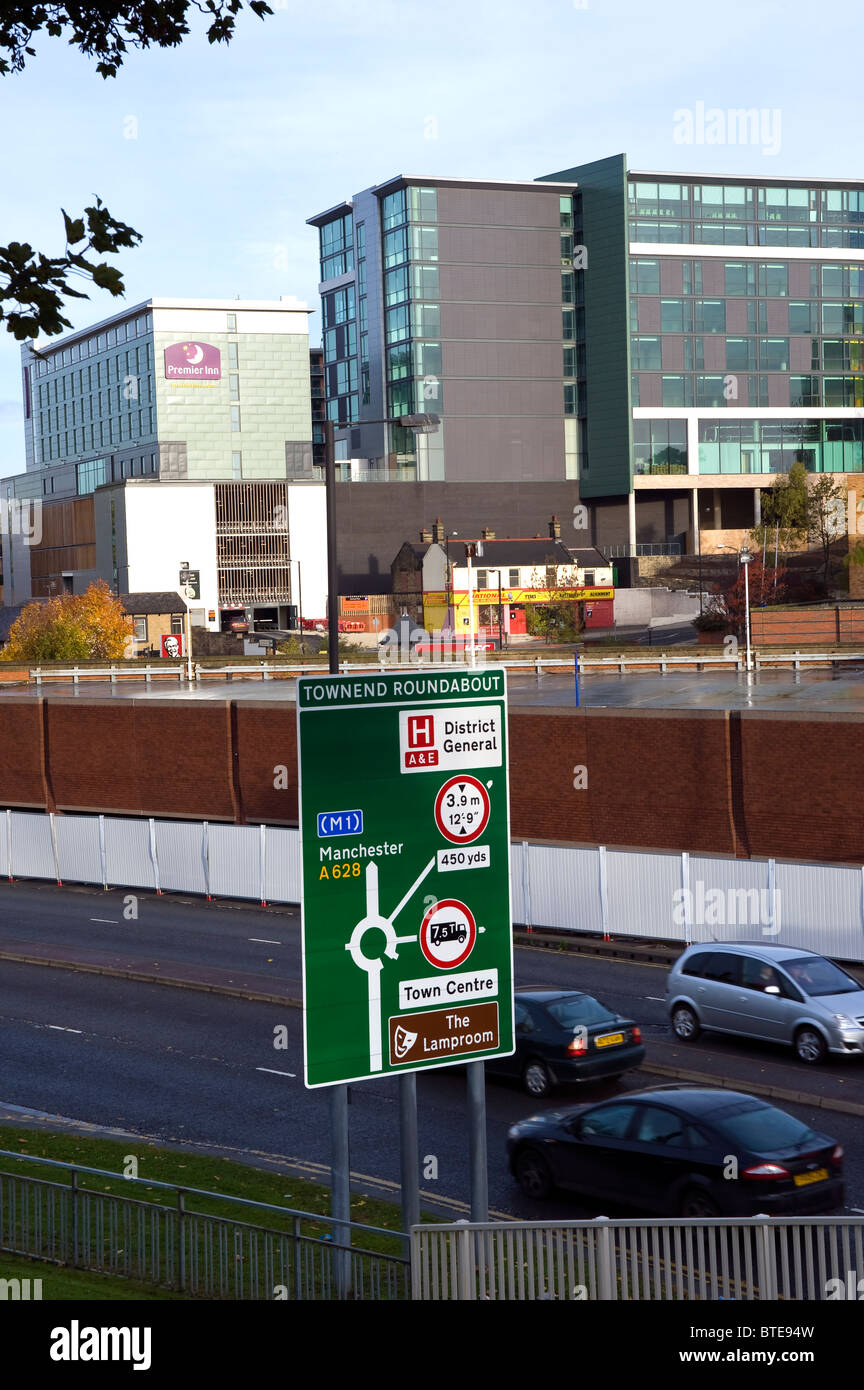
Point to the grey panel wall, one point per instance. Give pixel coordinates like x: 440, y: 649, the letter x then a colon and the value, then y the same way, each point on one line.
x: 373, y: 519
x: 491, y: 207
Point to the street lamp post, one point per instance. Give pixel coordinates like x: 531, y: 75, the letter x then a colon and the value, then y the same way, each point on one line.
x: 745, y: 557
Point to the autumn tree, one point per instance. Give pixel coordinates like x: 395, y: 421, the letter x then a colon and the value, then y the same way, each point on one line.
x: 71, y: 627
x: 33, y: 286
x: 728, y: 602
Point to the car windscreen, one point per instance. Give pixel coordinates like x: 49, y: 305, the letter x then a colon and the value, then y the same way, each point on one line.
x: 762, y: 1128
x: 582, y: 1009
x: 818, y: 976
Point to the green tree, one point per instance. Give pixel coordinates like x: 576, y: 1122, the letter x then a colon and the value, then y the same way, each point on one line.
x: 33, y: 286
x: 559, y: 620
x: 826, y: 516
x: 784, y: 511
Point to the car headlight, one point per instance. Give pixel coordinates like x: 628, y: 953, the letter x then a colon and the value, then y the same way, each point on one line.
x: 513, y: 1132
x: 845, y: 1022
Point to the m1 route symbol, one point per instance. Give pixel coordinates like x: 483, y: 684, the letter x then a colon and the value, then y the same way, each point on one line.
x: 448, y: 933
x: 462, y: 809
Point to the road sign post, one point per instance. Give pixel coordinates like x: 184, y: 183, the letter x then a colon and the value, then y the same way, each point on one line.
x: 404, y: 814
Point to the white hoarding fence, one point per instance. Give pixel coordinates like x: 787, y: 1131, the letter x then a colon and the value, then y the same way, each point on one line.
x: 619, y: 893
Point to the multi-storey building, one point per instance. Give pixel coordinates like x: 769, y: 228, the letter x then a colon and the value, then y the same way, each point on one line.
x: 168, y: 433
x: 453, y: 298
x: 642, y: 351
x: 723, y: 340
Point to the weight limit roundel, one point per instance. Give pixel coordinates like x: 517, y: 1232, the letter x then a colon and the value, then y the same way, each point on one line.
x: 462, y: 809
x: 448, y: 933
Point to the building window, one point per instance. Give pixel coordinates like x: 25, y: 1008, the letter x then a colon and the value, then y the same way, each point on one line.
x: 427, y: 320
x: 646, y: 354
x: 236, y: 465
x: 644, y: 277
x: 709, y: 315
x: 677, y: 391
x: 774, y: 354
x: 396, y: 286
x: 393, y: 210
x: 176, y: 623
x: 396, y: 246
x: 588, y: 579
x: 235, y: 417
x: 232, y: 355
x: 232, y: 323
x: 234, y: 387
x: 513, y: 578
x: 659, y: 446
x: 139, y: 629
x: 423, y: 204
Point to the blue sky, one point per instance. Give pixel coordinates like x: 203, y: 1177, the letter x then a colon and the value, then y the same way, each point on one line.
x: 234, y: 147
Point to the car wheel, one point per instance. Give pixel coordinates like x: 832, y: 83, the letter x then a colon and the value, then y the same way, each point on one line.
x: 536, y: 1079
x: 810, y: 1046
x: 685, y: 1024
x: 534, y: 1175
x: 695, y: 1202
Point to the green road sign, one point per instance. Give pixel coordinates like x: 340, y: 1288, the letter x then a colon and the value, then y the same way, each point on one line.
x: 405, y: 825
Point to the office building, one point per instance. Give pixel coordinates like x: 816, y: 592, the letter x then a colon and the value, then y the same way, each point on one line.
x: 169, y: 433
x: 640, y: 352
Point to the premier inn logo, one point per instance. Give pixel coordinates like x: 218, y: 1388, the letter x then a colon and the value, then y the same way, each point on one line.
x: 77, y: 1343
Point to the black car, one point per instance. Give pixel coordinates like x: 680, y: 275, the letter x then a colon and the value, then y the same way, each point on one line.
x: 565, y: 1035
x: 681, y: 1151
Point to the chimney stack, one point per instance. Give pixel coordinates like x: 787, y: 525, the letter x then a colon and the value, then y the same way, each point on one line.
x: 487, y: 534
x: 438, y: 531
x: 426, y: 536
x: 555, y: 529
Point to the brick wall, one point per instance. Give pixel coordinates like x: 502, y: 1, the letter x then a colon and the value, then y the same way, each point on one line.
x: 789, y: 627
x: 741, y: 783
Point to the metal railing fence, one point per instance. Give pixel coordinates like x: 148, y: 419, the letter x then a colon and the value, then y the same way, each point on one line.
x: 203, y: 1254
x: 757, y: 1258
x: 697, y: 657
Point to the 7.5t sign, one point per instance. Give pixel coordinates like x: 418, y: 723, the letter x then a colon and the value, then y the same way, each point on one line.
x: 404, y: 817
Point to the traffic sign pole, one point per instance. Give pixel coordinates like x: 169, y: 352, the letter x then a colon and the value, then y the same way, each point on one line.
x: 409, y: 1151
x: 477, y: 1161
x: 407, y: 927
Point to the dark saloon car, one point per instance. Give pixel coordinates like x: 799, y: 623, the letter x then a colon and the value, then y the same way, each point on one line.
x: 564, y: 1035
x: 681, y: 1151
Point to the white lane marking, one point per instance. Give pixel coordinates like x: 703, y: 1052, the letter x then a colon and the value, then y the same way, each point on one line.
x: 58, y: 1028
x: 264, y: 941
x: 112, y: 920
x: 656, y: 998
x: 273, y: 1072
x: 860, y: 1210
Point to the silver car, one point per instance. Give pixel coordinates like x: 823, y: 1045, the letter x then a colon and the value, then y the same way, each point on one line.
x: 775, y: 993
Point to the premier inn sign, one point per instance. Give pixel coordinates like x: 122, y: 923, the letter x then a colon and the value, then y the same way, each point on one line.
x: 193, y: 364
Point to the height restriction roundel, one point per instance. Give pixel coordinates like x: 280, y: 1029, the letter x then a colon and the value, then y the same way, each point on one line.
x: 448, y: 933
x: 462, y: 809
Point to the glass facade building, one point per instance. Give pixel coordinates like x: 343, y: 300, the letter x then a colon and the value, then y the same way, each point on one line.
x: 725, y: 333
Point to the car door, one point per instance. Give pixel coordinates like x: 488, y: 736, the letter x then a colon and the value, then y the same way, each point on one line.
x: 599, y: 1160
x: 768, y: 1002
x: 663, y: 1143
x: 718, y: 991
